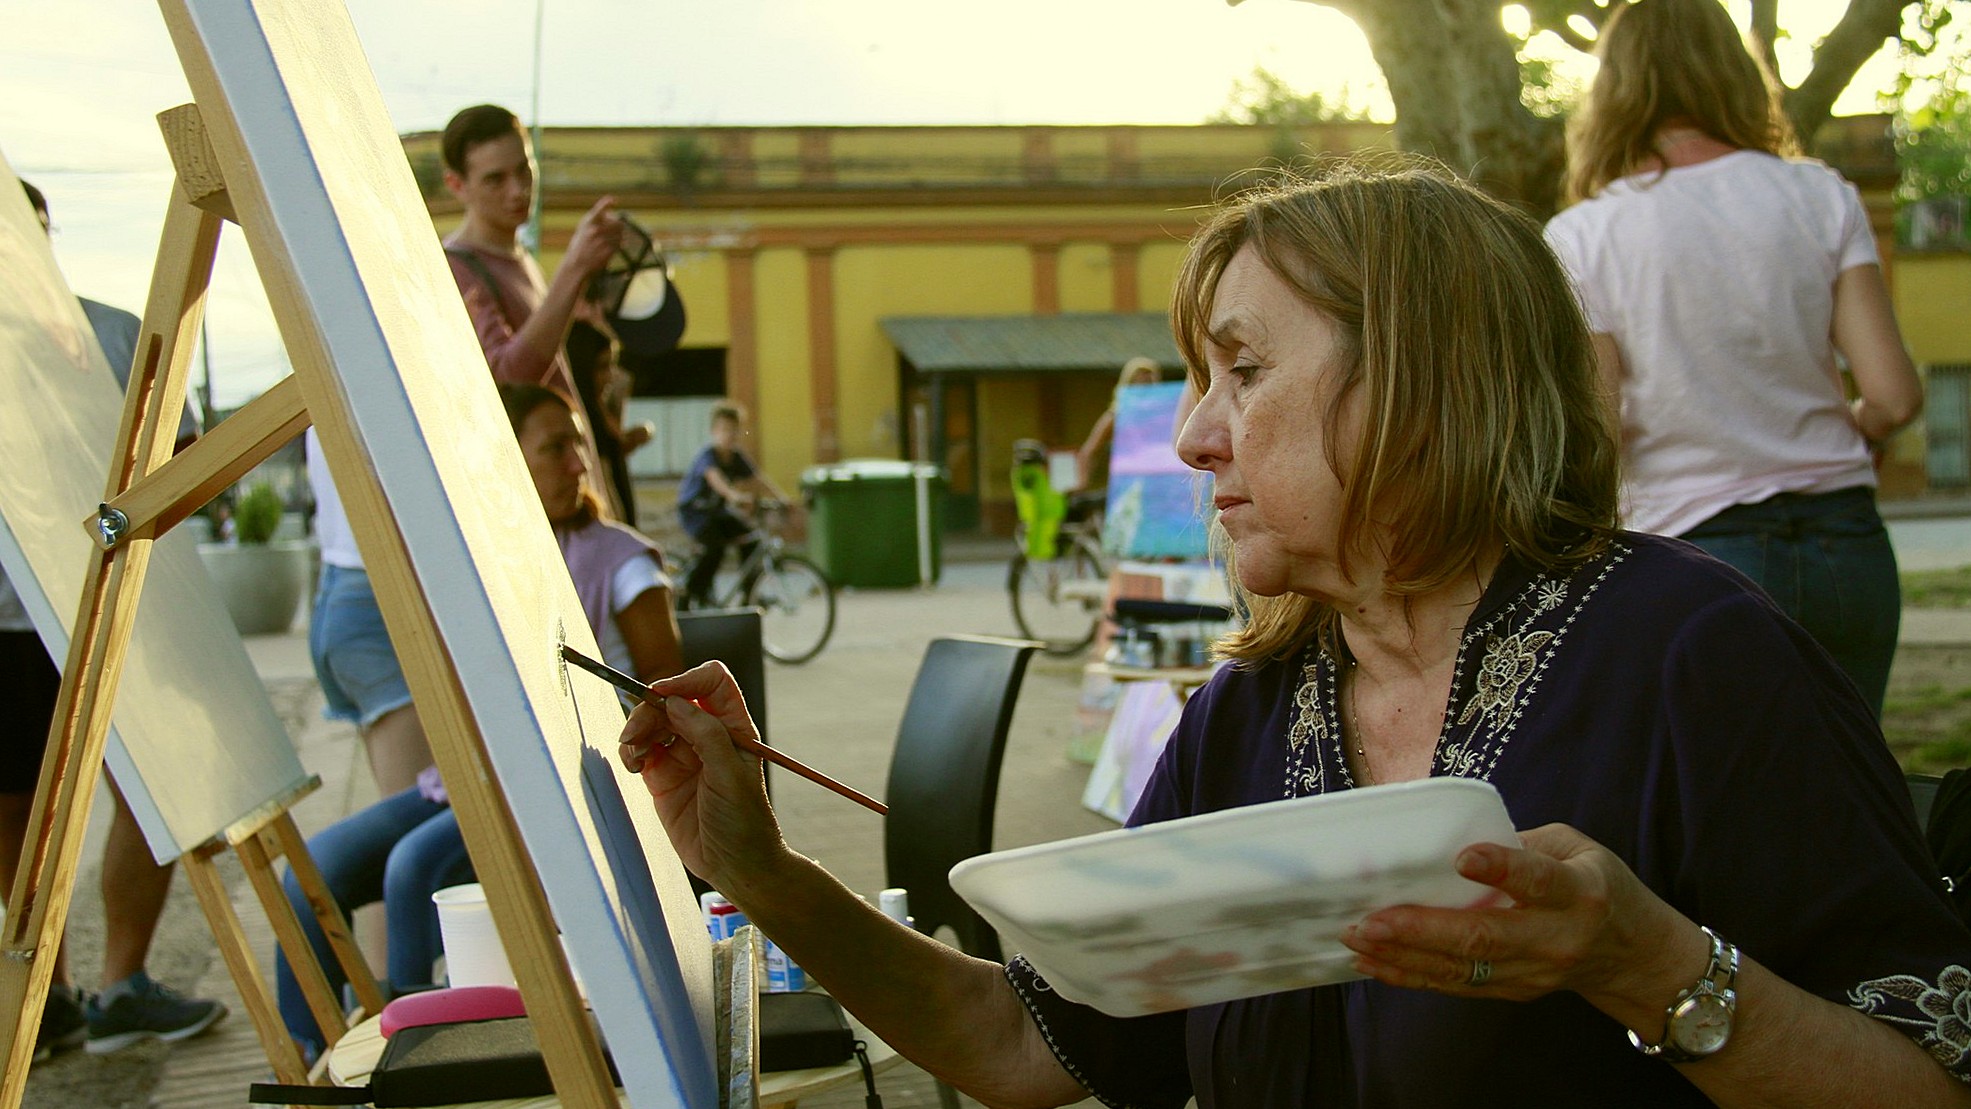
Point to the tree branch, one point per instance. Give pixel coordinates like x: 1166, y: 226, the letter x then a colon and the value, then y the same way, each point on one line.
x: 1860, y: 33
x: 1553, y: 15
x: 1765, y: 32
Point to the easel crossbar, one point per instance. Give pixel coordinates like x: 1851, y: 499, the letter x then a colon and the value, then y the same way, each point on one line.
x: 160, y: 500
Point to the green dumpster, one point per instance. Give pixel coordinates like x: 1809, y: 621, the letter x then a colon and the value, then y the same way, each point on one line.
x: 875, y: 522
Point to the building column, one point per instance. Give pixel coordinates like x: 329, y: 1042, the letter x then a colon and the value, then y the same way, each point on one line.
x: 742, y: 355
x: 1123, y: 258
x: 821, y: 353
x: 1046, y: 278
x: 1047, y: 302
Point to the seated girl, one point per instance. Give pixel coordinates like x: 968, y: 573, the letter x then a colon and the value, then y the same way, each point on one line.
x: 404, y: 847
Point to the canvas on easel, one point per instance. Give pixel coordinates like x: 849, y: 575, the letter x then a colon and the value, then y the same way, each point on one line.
x: 197, y: 751
x: 472, y: 587
x: 1155, y: 501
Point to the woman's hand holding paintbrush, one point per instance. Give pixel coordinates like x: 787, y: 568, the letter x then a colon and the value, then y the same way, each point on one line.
x: 711, y: 689
x: 691, y: 742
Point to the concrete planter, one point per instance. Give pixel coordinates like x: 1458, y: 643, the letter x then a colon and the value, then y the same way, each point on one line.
x: 262, y: 583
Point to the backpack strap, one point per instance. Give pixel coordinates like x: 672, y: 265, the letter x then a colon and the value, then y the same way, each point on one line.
x: 478, y: 267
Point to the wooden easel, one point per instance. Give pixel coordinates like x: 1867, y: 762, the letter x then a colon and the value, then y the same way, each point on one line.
x: 147, y: 493
x: 290, y: 140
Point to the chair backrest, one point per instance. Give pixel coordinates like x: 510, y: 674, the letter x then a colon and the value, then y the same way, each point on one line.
x: 731, y: 635
x: 944, y: 777
x: 1923, y: 793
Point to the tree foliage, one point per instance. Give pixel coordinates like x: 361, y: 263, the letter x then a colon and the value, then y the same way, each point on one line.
x: 1932, y: 106
x: 1266, y: 100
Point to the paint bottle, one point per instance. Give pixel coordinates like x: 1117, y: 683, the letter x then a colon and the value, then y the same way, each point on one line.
x: 722, y: 917
x: 782, y: 975
x: 895, y: 903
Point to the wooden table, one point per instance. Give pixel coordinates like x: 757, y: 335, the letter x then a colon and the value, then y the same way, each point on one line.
x: 1184, y: 680
x: 355, y: 1055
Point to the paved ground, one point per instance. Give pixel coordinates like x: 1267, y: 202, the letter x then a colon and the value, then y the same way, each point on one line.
x: 839, y: 713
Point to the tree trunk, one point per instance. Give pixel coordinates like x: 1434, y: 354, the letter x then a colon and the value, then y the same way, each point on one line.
x: 1455, y: 82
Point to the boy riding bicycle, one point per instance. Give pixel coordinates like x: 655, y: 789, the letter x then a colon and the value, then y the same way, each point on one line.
x: 716, y: 499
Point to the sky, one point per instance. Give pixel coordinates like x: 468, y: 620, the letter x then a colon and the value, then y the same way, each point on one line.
x: 81, y: 80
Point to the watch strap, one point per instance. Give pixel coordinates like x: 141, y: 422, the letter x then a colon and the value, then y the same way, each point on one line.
x: 1719, y: 979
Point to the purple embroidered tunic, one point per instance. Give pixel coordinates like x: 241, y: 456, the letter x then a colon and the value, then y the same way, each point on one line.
x: 1652, y: 699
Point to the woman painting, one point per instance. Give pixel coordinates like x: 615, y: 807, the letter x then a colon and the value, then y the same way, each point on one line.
x: 1721, y: 280
x: 1721, y: 895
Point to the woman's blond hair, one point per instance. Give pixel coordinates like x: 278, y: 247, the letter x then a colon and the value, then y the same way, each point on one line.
x: 1665, y: 61
x: 1484, y: 425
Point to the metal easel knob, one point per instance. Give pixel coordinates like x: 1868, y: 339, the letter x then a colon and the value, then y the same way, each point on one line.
x: 111, y: 526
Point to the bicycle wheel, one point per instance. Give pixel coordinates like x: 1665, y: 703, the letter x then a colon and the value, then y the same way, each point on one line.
x: 798, y: 608
x: 1058, y: 601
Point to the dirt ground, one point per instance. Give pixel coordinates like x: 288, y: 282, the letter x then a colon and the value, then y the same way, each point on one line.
x: 181, y: 951
x: 1927, y: 715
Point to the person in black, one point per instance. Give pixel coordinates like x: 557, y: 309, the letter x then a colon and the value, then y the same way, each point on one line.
x: 592, y: 355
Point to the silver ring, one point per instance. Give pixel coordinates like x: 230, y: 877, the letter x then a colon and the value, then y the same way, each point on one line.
x: 1481, y: 973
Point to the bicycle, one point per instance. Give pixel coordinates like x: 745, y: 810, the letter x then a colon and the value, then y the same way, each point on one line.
x: 796, y: 600
x: 1060, y: 601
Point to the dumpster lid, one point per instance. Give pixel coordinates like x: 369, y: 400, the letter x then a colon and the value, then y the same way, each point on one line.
x: 870, y: 469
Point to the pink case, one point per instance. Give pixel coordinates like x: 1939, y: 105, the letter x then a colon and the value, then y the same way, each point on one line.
x: 451, y: 1006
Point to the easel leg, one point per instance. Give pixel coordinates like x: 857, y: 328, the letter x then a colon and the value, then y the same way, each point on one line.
x: 323, y: 1003
x: 73, y: 759
x: 257, y: 854
x: 212, y: 897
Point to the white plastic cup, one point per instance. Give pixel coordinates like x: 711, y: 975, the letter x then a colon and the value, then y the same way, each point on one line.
x: 473, y: 955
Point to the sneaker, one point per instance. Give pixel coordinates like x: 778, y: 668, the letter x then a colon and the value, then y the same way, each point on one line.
x: 146, y: 1010
x: 63, y: 1025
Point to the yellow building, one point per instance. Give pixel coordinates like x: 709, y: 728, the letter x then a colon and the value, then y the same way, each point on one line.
x: 1933, y: 293
x: 939, y: 292
x: 902, y: 292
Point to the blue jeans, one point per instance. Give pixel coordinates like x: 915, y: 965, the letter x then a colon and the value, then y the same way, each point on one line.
x: 1825, y: 559
x: 398, y: 851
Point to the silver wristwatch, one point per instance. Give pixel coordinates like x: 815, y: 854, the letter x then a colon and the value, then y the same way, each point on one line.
x: 1699, y: 1021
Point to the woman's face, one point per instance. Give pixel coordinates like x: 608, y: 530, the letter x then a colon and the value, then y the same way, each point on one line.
x: 551, y: 444
x: 1260, y: 429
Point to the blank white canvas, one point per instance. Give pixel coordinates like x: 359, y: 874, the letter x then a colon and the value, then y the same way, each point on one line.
x: 195, y: 745
x: 341, y: 224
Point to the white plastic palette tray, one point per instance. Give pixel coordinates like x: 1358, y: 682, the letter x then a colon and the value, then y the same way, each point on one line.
x: 1231, y: 904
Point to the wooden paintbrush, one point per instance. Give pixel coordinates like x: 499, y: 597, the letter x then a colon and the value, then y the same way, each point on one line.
x: 641, y: 692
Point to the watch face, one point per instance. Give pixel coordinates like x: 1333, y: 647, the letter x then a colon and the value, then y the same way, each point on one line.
x: 1701, y: 1025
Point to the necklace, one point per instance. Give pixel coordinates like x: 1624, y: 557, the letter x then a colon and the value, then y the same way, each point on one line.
x: 1355, y: 727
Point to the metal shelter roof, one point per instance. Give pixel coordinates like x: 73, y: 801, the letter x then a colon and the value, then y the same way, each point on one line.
x: 1067, y: 343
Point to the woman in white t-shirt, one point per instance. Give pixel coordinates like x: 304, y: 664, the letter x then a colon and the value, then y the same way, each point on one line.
x: 1721, y: 280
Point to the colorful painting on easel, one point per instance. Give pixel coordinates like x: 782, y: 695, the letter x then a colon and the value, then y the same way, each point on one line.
x: 1156, y: 506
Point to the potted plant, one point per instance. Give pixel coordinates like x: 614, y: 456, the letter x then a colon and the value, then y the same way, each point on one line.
x: 262, y: 578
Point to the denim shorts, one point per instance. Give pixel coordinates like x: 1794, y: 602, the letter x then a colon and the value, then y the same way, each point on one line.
x: 361, y: 679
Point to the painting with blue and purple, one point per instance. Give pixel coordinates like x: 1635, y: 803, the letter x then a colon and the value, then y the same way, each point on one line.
x: 1156, y: 504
